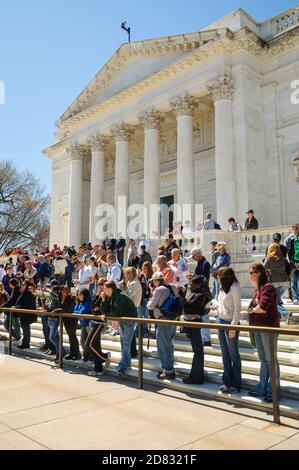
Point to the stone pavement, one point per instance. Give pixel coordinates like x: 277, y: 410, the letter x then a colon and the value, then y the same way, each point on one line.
x: 45, y: 408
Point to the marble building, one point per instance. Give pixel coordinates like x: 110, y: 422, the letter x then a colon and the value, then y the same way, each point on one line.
x: 206, y: 117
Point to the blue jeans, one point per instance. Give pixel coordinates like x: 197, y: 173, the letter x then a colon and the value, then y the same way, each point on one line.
x: 295, y: 284
x: 16, y: 327
x: 215, y: 291
x: 92, y: 289
x: 53, y: 334
x: 264, y: 387
x: 46, y: 333
x: 197, y: 369
x: 165, y: 337
x: 205, y: 332
x: 85, y: 330
x: 232, y: 375
x: 143, y: 312
x: 127, y: 330
x: 283, y: 312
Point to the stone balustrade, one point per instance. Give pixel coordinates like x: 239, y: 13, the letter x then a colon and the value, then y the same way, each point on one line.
x: 288, y: 20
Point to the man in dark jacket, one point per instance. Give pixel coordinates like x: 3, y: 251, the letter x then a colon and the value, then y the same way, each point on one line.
x: 251, y: 223
x: 120, y: 249
x: 43, y: 270
x: 203, y: 267
x: 117, y: 304
x: 143, y: 257
x: 12, y: 302
x: 26, y: 301
x: 294, y: 259
x: 170, y: 245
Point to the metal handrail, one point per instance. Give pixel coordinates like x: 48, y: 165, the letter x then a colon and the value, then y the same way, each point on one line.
x: 140, y: 321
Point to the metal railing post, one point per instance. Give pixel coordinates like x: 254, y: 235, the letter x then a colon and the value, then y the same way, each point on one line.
x: 60, y: 341
x: 140, y: 356
x: 275, y: 384
x: 10, y: 333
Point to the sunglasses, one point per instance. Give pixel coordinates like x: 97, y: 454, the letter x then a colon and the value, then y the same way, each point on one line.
x: 252, y: 272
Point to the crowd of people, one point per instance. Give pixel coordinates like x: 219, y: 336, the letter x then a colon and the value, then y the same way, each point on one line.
x: 121, y: 279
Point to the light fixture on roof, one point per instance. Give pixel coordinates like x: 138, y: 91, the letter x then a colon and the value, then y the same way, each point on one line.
x: 128, y: 29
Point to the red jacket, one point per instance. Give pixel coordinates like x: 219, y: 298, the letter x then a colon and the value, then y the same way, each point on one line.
x: 266, y: 300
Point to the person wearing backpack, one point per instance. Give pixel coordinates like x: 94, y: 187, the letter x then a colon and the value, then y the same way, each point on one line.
x: 276, y: 267
x: 165, y: 335
x: 196, y: 305
x: 116, y: 303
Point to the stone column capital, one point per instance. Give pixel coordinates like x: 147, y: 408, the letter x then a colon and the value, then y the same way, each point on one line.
x: 76, y: 151
x: 222, y: 89
x: 151, y: 119
x: 122, y: 132
x: 184, y: 105
x: 98, y: 143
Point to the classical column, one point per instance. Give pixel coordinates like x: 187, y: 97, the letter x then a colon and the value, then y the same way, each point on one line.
x: 222, y: 92
x: 77, y: 153
x: 122, y: 135
x: 151, y: 121
x: 98, y: 146
x: 184, y: 107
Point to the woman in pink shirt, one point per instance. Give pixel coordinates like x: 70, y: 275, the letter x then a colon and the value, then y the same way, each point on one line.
x: 162, y: 267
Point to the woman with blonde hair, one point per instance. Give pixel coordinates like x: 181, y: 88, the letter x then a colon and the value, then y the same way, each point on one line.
x: 223, y: 260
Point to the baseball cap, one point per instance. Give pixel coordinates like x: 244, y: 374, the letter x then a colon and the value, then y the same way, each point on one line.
x: 157, y: 277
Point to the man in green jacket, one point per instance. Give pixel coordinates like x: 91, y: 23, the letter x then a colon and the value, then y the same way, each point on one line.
x: 117, y: 304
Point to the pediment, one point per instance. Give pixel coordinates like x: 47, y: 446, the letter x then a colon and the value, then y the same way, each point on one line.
x: 137, y: 69
x: 133, y: 63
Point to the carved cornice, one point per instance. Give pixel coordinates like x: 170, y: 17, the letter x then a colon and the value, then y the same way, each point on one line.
x: 122, y: 132
x: 76, y: 152
x: 151, y: 119
x: 218, y: 41
x: 98, y: 143
x: 184, y: 105
x: 222, y: 89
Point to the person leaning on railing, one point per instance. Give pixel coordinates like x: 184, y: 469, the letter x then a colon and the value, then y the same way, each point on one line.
x: 71, y: 324
x: 263, y: 312
x: 195, y: 307
x: 97, y: 326
x: 51, y: 305
x: 11, y: 302
x: 229, y: 310
x: 116, y: 303
x: 26, y: 301
x: 165, y: 334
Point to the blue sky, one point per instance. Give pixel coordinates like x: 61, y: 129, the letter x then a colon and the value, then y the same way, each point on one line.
x: 50, y: 49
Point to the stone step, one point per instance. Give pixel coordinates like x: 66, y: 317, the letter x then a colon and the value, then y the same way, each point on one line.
x: 289, y: 405
x: 213, y: 365
x: 290, y: 357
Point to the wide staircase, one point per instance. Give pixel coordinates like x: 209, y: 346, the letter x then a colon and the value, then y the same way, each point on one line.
x: 288, y: 356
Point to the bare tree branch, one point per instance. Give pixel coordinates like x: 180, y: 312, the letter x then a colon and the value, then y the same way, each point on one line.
x: 24, y: 209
